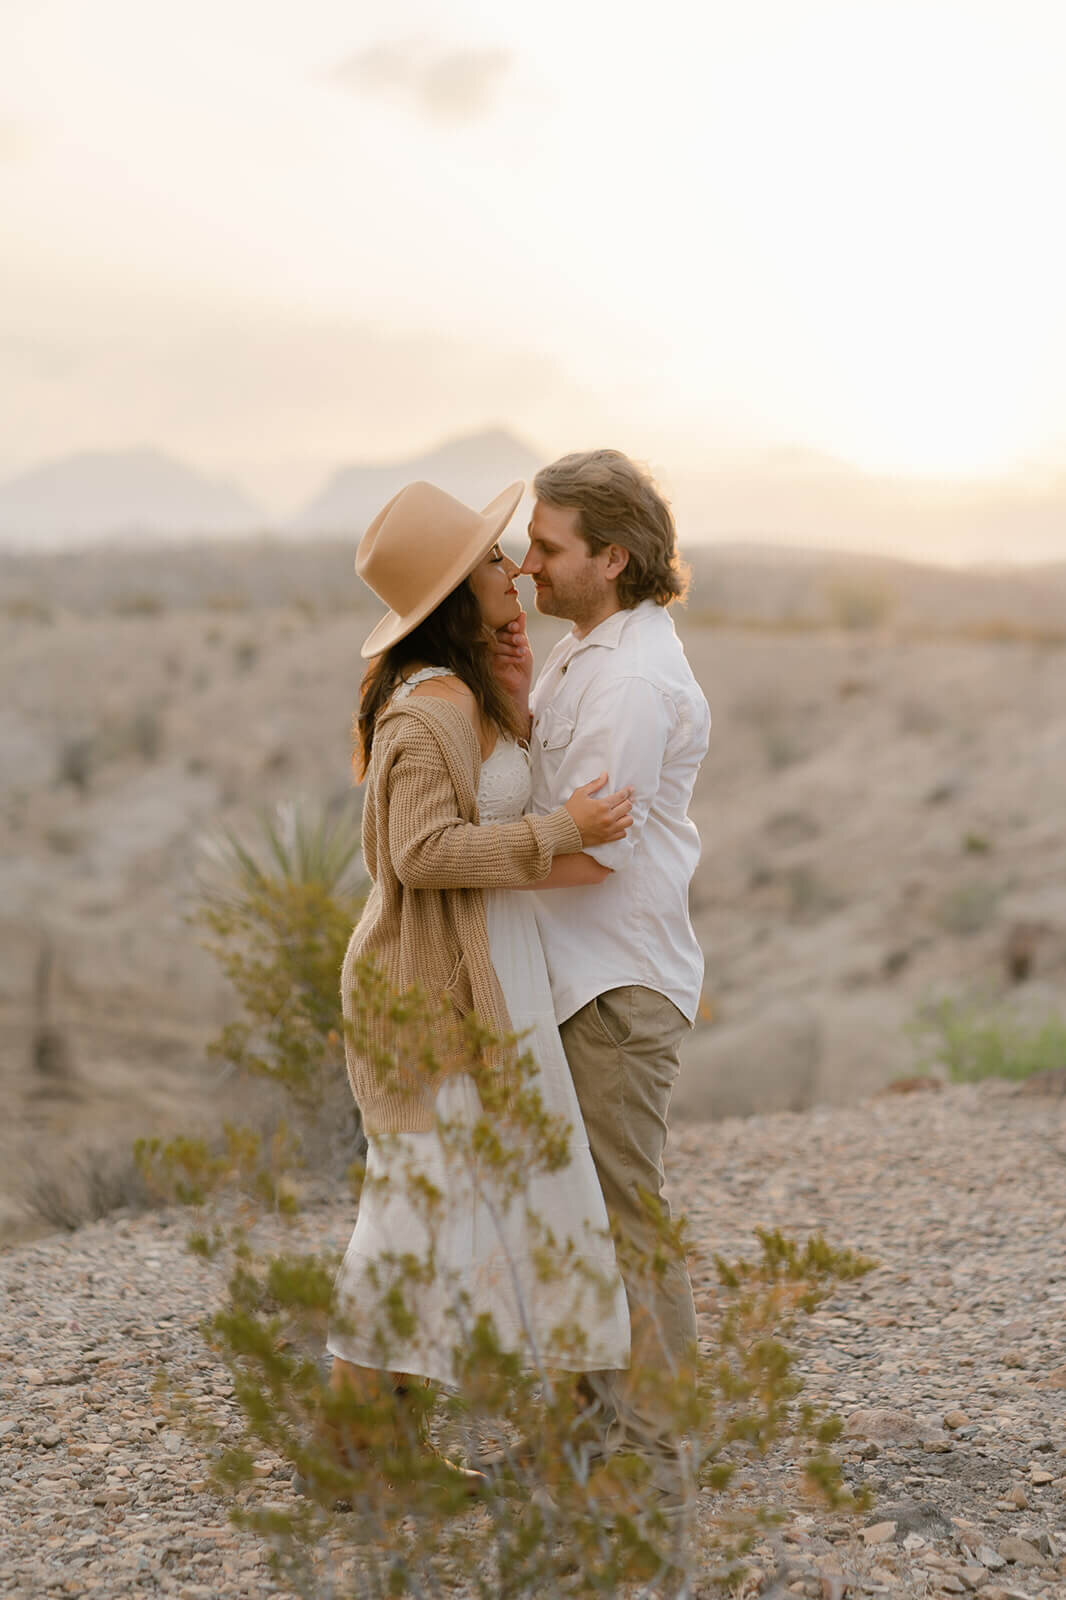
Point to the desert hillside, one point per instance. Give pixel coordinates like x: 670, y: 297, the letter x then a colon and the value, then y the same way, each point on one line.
x: 881, y: 810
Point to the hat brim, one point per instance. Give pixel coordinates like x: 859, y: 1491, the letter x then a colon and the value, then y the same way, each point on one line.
x: 392, y: 627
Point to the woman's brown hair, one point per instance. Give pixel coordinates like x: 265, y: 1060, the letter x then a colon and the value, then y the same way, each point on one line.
x: 617, y: 502
x: 452, y: 636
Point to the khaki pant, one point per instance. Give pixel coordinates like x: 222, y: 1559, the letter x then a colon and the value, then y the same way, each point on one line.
x: 623, y: 1053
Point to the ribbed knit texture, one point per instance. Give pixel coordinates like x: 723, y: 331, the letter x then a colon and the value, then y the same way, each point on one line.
x: 424, y: 922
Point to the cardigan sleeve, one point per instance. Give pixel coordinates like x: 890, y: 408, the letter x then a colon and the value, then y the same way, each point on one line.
x: 432, y: 847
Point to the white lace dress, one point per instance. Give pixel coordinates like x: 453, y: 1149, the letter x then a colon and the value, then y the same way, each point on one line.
x: 486, y: 1256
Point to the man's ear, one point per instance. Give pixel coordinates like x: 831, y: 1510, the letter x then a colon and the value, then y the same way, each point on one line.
x: 617, y: 560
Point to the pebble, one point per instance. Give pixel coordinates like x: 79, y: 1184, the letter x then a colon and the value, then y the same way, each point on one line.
x: 960, y: 1198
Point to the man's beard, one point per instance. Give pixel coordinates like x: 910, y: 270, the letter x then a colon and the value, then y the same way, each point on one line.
x: 577, y: 601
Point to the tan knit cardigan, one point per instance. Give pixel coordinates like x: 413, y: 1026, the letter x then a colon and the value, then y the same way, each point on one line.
x: 424, y: 920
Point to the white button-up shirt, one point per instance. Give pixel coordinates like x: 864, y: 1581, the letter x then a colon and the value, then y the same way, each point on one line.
x: 623, y: 699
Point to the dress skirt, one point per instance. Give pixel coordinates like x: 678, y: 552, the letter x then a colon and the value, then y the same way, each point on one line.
x: 436, y: 1246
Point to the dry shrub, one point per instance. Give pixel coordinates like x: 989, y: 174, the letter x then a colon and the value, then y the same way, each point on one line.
x: 859, y: 604
x: 969, y: 908
x: 381, y: 1511
x: 71, y: 1190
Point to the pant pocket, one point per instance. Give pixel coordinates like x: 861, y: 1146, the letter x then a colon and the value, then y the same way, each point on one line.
x: 613, y: 1013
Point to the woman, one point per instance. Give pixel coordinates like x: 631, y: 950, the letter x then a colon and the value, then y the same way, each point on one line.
x: 447, y: 783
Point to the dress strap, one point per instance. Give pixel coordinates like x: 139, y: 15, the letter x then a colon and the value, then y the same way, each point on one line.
x: 422, y: 676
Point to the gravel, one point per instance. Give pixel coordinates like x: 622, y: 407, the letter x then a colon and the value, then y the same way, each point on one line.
x: 947, y: 1364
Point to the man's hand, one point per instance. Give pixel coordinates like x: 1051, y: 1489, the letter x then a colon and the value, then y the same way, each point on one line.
x: 513, y: 662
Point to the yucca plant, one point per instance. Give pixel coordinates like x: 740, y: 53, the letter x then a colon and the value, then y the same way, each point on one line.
x: 278, y: 911
x: 297, y: 843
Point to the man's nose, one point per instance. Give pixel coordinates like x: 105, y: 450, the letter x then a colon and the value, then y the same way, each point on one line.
x: 530, y: 565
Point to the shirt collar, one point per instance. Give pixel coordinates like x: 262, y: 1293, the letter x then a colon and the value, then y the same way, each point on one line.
x: 608, y: 633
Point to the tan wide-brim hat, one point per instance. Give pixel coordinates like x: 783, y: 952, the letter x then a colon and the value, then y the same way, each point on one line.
x: 419, y: 548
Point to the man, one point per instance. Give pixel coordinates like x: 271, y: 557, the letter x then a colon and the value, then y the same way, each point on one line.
x: 617, y: 693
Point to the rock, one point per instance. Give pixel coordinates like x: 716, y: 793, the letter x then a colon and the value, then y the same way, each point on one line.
x: 1052, y: 1082
x: 1018, y: 1498
x: 33, y: 1376
x: 1020, y: 1551
x: 973, y: 1577
x: 956, y: 1419
x: 1054, y: 1380
x: 112, y: 1497
x: 1038, y: 1476
x: 880, y: 1533
x: 1015, y: 1359
x: 834, y: 1586
x: 989, y: 1558
x: 883, y: 1424
x: 917, y: 1516
x: 764, y: 1063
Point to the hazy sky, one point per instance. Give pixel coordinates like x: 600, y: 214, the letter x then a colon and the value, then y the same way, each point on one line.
x: 271, y: 235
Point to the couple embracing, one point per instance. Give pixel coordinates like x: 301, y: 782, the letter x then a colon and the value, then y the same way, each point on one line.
x: 481, y: 785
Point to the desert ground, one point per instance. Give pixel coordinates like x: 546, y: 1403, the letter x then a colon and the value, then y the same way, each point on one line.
x: 944, y: 1365
x: 882, y: 813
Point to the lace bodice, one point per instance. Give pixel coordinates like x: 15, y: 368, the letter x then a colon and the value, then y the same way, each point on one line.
x: 504, y: 789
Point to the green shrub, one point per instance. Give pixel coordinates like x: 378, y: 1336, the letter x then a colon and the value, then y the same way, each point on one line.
x: 972, y: 1044
x: 553, y: 1518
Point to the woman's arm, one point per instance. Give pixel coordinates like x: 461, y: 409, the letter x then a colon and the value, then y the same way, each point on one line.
x: 571, y: 872
x: 433, y: 847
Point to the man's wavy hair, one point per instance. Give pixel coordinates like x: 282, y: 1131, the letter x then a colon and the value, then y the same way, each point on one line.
x: 618, y: 503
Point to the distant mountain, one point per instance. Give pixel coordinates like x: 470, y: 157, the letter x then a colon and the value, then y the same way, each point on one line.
x: 108, y: 494
x: 474, y: 468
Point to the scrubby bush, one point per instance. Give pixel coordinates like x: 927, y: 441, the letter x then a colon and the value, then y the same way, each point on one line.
x: 71, y: 1190
x: 139, y: 603
x: 968, y: 908
x: 76, y: 761
x: 859, y: 604
x: 383, y: 1511
x: 970, y: 1043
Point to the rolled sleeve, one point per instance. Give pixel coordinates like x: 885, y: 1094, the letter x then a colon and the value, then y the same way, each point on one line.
x: 624, y: 726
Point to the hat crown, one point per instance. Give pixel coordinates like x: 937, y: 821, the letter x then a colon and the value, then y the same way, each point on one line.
x: 414, y: 544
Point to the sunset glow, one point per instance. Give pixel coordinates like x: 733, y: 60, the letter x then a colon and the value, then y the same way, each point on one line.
x: 259, y: 234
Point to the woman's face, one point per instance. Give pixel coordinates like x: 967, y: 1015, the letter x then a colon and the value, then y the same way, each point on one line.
x: 492, y: 581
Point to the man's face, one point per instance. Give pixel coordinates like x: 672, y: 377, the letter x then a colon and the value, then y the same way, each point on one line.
x: 569, y: 581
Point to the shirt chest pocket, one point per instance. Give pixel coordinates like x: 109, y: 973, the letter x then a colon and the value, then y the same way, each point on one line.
x: 554, y: 731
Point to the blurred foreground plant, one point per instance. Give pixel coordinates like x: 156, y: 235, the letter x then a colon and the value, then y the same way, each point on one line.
x: 383, y: 1513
